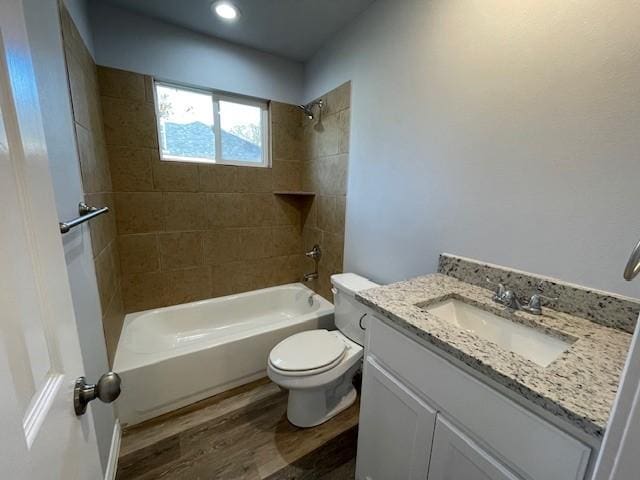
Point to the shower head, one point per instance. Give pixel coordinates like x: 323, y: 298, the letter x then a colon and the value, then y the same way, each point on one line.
x: 308, y: 108
x: 307, y: 111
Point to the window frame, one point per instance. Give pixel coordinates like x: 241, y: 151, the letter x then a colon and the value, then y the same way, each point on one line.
x: 216, y: 97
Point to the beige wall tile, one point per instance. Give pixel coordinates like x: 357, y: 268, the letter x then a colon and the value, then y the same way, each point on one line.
x: 102, y: 228
x: 333, y: 252
x: 121, y: 84
x: 94, y: 163
x: 102, y: 168
x: 286, y: 210
x: 259, y: 209
x: 321, y: 137
x: 142, y: 291
x: 326, y: 141
x: 308, y: 212
x: 330, y: 173
x: 287, y: 176
x: 112, y: 321
x: 87, y: 157
x: 338, y: 99
x: 175, y: 176
x: 221, y: 246
x: 286, y: 143
x: 139, y: 212
x: 219, y: 178
x: 184, y: 211
x: 240, y: 277
x: 188, y: 285
x: 311, y: 237
x: 254, y: 180
x: 139, y: 253
x: 181, y: 250
x: 79, y: 90
x: 225, y: 279
x: 148, y: 89
x: 311, y: 176
x: 344, y: 126
x: 70, y: 34
x: 327, y: 219
x: 341, y: 211
x: 107, y: 274
x: 225, y: 210
x: 284, y: 115
x: 287, y: 240
x: 285, y: 269
x: 256, y: 242
x: 325, y: 166
x: 128, y: 123
x: 131, y: 169
x: 96, y: 177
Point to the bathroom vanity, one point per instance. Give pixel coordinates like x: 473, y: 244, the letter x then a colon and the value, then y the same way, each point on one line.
x: 458, y: 387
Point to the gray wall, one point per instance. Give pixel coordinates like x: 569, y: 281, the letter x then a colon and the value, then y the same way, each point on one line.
x: 46, y: 42
x: 144, y: 45
x: 503, y: 131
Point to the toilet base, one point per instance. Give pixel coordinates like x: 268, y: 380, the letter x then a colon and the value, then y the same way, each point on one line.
x: 311, y: 407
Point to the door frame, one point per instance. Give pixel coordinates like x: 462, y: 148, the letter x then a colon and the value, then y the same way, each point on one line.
x: 619, y: 452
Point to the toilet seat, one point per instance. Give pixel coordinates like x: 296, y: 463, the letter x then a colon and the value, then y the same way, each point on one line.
x: 307, y: 353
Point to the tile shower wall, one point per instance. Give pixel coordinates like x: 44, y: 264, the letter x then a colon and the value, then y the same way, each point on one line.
x: 325, y: 141
x: 96, y: 178
x: 190, y: 231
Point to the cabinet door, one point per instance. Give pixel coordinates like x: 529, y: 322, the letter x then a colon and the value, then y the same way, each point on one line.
x: 396, y: 429
x: 455, y: 456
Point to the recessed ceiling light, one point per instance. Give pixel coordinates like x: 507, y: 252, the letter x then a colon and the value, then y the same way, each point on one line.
x: 226, y: 10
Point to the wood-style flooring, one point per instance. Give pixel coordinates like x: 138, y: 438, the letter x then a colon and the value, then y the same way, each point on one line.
x: 239, y: 434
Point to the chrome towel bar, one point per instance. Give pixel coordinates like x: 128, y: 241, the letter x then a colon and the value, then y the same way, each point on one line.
x: 86, y: 213
x: 633, y: 265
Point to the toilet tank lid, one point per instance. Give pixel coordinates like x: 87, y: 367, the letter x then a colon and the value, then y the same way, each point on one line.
x: 351, y: 283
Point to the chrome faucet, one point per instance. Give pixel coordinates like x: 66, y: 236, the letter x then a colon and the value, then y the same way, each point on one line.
x: 316, y: 254
x: 307, y: 277
x: 509, y: 299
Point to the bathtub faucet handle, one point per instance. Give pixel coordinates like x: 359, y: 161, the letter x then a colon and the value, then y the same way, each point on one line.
x: 315, y: 253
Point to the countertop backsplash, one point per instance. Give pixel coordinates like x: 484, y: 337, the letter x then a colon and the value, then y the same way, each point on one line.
x: 606, y: 309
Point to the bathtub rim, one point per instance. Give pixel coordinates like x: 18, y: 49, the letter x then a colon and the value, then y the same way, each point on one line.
x: 143, y: 359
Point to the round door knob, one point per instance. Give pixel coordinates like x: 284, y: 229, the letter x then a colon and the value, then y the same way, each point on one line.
x: 107, y: 390
x: 108, y: 387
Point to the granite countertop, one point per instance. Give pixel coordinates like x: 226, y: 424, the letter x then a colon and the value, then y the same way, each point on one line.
x: 579, y: 386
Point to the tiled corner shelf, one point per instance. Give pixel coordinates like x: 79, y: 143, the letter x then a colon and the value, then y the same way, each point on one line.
x: 299, y: 193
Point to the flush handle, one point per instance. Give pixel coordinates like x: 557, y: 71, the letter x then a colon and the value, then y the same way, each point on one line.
x: 107, y: 390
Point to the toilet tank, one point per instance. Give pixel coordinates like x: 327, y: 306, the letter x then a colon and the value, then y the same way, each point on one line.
x: 348, y: 310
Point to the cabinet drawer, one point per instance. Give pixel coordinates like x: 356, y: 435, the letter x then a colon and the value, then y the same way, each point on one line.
x: 531, y: 446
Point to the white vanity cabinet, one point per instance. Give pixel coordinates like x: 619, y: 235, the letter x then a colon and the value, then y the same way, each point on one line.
x: 424, y: 417
x: 396, y: 428
x: 455, y: 456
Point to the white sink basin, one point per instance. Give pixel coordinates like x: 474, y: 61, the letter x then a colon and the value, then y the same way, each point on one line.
x: 527, y: 342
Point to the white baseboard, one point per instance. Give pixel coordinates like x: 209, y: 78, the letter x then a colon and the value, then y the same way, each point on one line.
x: 112, y: 465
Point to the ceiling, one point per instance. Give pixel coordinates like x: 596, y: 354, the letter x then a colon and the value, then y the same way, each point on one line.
x: 294, y: 29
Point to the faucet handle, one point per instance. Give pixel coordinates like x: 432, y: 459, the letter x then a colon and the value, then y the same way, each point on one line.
x: 535, y: 303
x: 500, y: 290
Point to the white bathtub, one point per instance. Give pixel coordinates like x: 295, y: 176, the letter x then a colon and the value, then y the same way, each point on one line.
x: 171, y: 357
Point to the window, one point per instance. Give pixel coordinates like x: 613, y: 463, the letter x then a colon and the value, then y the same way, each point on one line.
x: 197, y: 125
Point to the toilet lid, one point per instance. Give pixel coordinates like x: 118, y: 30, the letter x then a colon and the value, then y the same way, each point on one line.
x: 307, y: 351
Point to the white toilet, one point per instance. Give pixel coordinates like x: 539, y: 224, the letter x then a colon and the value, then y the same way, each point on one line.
x: 317, y: 366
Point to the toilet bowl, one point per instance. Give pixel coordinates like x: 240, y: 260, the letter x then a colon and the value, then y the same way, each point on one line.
x: 317, y: 366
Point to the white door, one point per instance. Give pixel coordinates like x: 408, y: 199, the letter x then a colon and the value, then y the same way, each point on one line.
x: 41, y: 437
x: 455, y: 456
x: 396, y: 428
